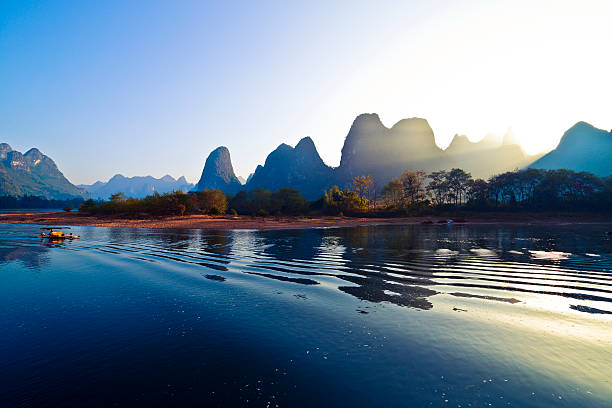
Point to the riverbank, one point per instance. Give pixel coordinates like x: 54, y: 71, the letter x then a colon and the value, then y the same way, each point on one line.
x: 246, y: 222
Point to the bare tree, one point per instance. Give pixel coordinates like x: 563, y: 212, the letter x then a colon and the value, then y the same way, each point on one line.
x: 413, y: 183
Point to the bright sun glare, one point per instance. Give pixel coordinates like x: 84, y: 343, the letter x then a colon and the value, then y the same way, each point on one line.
x: 536, y: 69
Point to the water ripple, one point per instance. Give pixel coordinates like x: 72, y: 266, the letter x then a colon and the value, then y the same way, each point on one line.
x: 404, y: 266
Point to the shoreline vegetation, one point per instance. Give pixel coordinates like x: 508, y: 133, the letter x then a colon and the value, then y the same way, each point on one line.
x: 441, y: 197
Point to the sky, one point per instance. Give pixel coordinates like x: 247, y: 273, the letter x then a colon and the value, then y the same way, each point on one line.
x: 151, y: 87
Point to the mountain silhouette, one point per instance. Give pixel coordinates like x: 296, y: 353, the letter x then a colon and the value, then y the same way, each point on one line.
x: 462, y: 145
x: 488, y: 156
x: 371, y: 148
x: 136, y: 187
x: 298, y: 167
x: 218, y: 173
x: 33, y: 173
x: 583, y: 147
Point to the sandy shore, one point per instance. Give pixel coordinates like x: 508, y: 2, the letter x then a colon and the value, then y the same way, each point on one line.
x: 245, y: 222
x: 196, y: 221
x: 203, y: 221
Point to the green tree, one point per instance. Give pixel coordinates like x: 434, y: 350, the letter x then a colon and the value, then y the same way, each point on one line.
x: 288, y: 201
x: 118, y: 198
x: 241, y: 203
x: 261, y: 199
x: 87, y: 206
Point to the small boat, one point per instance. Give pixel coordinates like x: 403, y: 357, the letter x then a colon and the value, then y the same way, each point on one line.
x: 56, y: 234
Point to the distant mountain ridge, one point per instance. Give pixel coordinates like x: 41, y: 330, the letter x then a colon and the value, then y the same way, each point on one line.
x: 136, y: 187
x: 461, y: 144
x: 298, y: 167
x: 583, y: 147
x: 370, y: 148
x: 488, y: 156
x: 33, y: 173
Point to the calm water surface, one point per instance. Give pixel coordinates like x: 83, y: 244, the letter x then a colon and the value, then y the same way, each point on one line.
x: 457, y: 316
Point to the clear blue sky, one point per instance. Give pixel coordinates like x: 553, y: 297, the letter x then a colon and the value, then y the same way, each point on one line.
x: 151, y: 87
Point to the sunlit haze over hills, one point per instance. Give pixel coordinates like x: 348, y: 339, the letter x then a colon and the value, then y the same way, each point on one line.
x: 144, y: 88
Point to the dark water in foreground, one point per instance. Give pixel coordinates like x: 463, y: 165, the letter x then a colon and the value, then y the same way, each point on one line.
x: 477, y: 316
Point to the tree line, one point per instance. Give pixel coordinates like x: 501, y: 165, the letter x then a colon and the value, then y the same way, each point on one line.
x: 260, y: 202
x: 414, y: 192
x: 417, y: 192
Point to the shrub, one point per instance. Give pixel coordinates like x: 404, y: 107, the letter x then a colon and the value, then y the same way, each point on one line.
x: 212, y: 202
x: 285, y: 201
x: 87, y: 206
x: 288, y: 201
